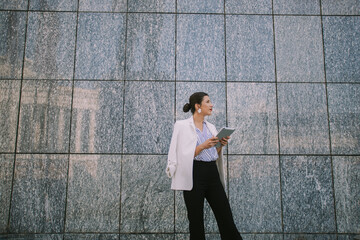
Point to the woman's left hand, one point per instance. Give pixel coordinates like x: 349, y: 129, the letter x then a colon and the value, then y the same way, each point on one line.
x: 224, y: 141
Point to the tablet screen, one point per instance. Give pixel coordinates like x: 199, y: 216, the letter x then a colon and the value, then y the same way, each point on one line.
x: 224, y: 132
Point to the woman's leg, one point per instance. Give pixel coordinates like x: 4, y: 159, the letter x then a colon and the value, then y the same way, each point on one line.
x: 194, y: 201
x: 219, y: 203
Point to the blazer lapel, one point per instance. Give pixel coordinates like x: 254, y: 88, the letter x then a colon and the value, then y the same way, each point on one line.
x: 191, y: 123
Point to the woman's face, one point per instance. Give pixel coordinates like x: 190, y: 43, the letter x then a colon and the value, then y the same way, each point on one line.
x: 206, y: 106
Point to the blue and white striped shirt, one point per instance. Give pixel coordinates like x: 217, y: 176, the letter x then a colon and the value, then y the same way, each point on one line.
x: 209, y: 154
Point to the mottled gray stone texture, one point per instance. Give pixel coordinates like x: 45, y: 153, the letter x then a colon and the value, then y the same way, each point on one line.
x: 97, y: 117
x: 44, y: 116
x: 14, y: 5
x: 347, y: 193
x: 344, y: 7
x: 33, y: 236
x: 145, y: 103
x: 299, y: 49
x: 103, y: 6
x: 348, y: 237
x: 50, y: 45
x: 101, y: 236
x: 6, y: 174
x: 151, y: 5
x: 12, y: 40
x: 151, y: 47
x: 39, y: 193
x: 249, y: 48
x: 200, y: 6
x: 262, y: 236
x: 212, y: 236
x: 254, y: 190
x: 100, y: 48
x: 217, y: 95
x: 146, y: 236
x: 310, y: 237
x: 344, y: 111
x: 209, y: 236
x: 182, y: 236
x: 310, y: 7
x: 307, y: 194
x: 90, y: 91
x: 200, y: 48
x: 9, y: 111
x: 53, y: 5
x: 303, y: 120
x: 248, y: 7
x: 342, y: 48
x: 93, y: 201
x: 147, y: 203
x: 252, y: 112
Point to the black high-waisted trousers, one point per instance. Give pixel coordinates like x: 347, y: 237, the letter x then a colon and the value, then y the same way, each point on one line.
x: 207, y: 185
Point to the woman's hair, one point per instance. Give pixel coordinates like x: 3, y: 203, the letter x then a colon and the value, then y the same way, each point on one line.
x: 195, y: 98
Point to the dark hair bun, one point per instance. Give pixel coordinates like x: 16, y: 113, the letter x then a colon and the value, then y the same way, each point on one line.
x: 186, y: 107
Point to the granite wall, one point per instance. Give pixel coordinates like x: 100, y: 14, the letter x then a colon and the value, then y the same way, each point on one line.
x: 90, y: 90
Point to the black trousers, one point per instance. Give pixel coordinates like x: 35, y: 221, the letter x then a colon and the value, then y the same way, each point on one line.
x: 207, y: 185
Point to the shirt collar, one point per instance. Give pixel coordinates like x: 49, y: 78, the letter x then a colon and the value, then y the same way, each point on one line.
x: 191, y: 120
x: 204, y: 126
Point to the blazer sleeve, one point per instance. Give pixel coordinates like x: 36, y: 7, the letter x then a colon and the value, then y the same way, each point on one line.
x: 172, y: 156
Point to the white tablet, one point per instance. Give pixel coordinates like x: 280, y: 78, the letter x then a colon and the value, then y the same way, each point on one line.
x: 224, y: 132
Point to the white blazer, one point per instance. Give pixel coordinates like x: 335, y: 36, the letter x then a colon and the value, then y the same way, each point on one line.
x: 181, y: 155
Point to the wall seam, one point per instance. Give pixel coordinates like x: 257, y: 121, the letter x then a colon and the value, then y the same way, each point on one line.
x: 175, y: 83
x: 165, y: 154
x: 226, y: 105
x: 183, y: 81
x: 187, y: 13
x: 123, y: 114
x: 277, y: 121
x: 71, y: 115
x: 328, y: 120
x: 18, y: 119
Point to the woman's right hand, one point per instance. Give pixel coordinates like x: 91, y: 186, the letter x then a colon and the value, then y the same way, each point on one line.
x: 207, y: 144
x: 210, y: 142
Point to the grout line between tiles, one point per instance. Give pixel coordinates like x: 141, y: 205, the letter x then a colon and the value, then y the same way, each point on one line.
x: 71, y: 119
x: 18, y: 120
x: 226, y: 103
x: 123, y: 113
x: 277, y: 120
x: 328, y: 121
x: 174, y: 192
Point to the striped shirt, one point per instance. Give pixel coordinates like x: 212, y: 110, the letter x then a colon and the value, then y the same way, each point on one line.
x: 209, y: 154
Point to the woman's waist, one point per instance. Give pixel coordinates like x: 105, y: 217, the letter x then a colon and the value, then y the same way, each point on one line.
x: 204, y: 162
x: 205, y: 171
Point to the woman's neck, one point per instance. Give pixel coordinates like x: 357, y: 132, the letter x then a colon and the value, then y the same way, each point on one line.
x: 198, y: 118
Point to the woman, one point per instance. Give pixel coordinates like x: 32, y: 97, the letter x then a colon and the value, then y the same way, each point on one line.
x: 196, y: 167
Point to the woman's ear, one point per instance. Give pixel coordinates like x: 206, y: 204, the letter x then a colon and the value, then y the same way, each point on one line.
x: 197, y: 106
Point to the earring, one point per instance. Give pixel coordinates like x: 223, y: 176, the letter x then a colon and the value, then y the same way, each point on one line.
x: 199, y: 110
